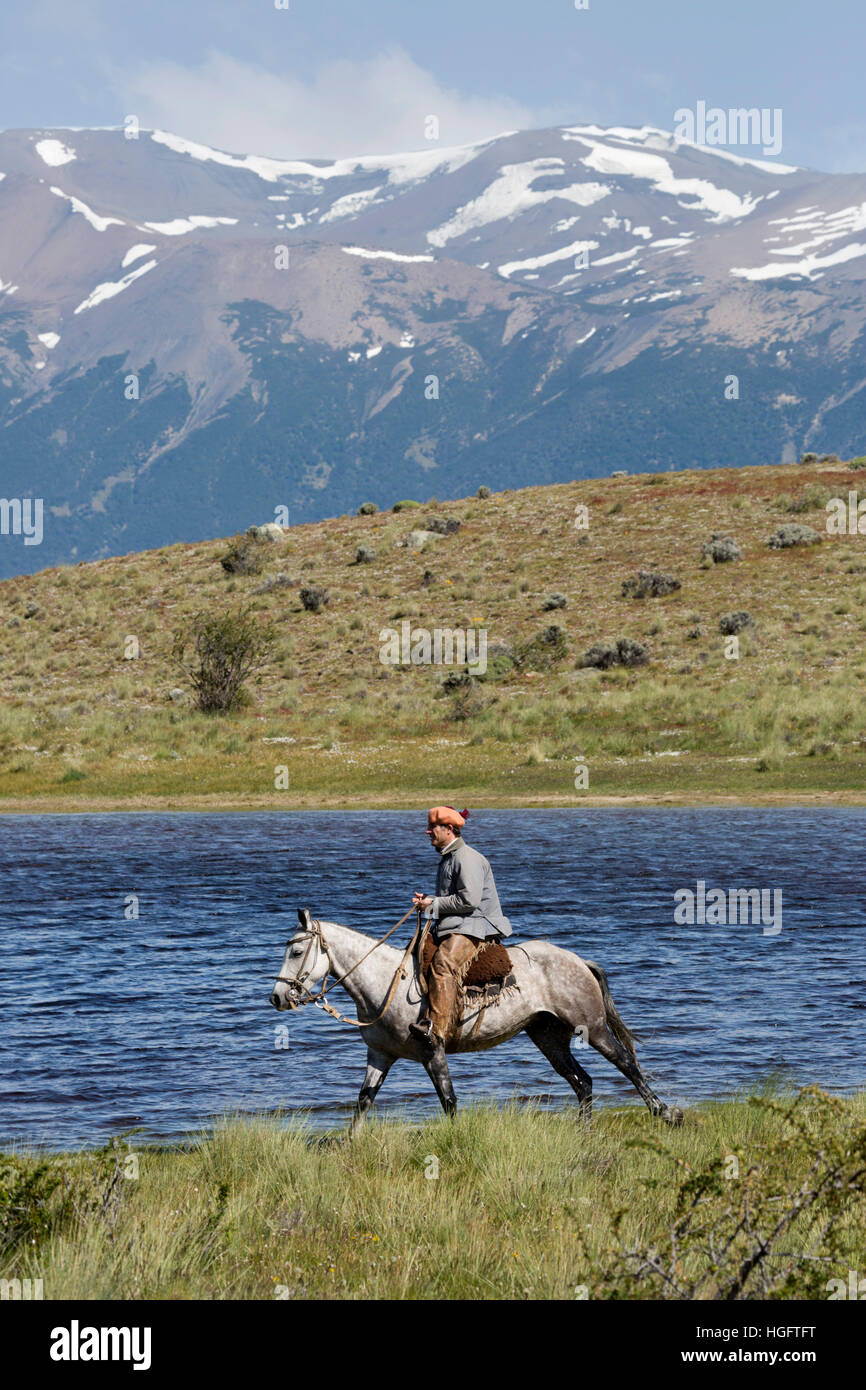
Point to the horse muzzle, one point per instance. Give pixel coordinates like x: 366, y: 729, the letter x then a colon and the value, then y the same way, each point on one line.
x: 285, y: 999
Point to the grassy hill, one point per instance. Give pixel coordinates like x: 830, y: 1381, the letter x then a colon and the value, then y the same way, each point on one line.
x: 82, y: 726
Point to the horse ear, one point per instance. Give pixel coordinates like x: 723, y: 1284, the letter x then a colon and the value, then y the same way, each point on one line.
x: 304, y: 918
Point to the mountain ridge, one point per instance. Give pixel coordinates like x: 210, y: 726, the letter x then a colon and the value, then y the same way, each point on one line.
x: 308, y: 334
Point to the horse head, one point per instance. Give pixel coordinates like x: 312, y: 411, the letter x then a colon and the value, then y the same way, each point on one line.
x: 305, y: 965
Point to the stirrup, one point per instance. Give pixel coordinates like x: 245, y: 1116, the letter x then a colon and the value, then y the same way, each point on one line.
x: 422, y: 1028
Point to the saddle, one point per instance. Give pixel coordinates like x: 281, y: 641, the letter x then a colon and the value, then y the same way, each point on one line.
x: 489, y: 971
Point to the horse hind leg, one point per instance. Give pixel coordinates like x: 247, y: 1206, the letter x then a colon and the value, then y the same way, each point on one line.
x: 610, y: 1047
x: 552, y: 1036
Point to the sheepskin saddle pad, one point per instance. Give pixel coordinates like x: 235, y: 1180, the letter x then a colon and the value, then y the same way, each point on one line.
x: 491, y: 966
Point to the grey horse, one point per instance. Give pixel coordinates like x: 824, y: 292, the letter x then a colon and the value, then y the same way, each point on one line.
x: 558, y: 995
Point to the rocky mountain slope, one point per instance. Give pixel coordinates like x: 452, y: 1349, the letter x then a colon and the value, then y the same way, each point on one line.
x: 190, y: 339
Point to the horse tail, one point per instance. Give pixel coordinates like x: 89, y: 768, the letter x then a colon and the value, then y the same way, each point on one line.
x: 615, y: 1022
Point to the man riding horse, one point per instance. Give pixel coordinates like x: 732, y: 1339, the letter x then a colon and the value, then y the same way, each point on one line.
x: 465, y: 914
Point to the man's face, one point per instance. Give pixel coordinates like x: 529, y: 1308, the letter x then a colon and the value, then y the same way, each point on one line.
x: 440, y: 835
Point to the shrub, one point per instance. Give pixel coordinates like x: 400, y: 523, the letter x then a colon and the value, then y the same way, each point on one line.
x: 624, y: 652
x: 483, y: 491
x: 721, y: 549
x: 544, y: 649
x: 795, y: 533
x: 364, y: 555
x: 649, y: 584
x: 276, y: 581
x: 501, y: 661
x: 858, y: 462
x: 314, y: 599
x: 442, y: 525
x: 245, y: 555
x: 402, y: 506
x: 734, y: 622
x: 228, y: 647
x: 367, y: 509
x: 553, y: 601
x: 808, y: 501
x: 797, y: 1191
x: 809, y: 458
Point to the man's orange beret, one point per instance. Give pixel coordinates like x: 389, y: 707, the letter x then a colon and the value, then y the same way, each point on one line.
x: 446, y: 815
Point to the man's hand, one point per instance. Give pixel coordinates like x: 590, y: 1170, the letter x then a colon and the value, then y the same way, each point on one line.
x: 421, y: 900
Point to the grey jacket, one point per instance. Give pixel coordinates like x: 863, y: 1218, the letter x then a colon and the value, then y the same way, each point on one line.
x: 466, y: 898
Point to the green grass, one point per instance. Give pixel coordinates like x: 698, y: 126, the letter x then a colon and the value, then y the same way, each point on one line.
x: 81, y: 726
x: 500, y: 1203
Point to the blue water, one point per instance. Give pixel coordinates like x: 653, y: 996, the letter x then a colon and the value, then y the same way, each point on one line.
x: 164, y: 1021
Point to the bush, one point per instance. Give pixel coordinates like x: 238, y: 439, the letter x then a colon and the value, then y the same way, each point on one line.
x: 797, y: 1191
x: 543, y: 650
x: 402, y: 506
x: 228, y: 647
x: 276, y: 581
x: 734, y: 622
x: 721, y: 549
x: 364, y: 555
x: 809, y: 458
x: 795, y: 533
x: 367, y: 509
x: 483, y: 491
x: 314, y: 599
x: 245, y: 555
x: 808, y: 501
x: 649, y: 584
x: 442, y: 525
x: 553, y: 601
x: 624, y: 652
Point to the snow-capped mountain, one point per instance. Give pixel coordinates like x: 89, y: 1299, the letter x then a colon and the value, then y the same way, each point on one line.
x: 190, y: 338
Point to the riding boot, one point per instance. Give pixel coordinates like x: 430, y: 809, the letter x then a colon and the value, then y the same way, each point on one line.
x: 446, y: 968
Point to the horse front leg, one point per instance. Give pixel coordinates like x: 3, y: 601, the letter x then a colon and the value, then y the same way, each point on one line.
x: 436, y: 1068
x: 378, y: 1066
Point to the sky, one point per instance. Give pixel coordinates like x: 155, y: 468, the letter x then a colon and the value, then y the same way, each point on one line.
x: 328, y: 78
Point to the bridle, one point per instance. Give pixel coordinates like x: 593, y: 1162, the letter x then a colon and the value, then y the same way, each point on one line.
x: 314, y: 933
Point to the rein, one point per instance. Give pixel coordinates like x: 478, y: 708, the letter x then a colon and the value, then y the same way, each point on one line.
x: 319, y: 999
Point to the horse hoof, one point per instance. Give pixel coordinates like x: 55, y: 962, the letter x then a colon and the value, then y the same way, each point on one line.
x: 672, y: 1115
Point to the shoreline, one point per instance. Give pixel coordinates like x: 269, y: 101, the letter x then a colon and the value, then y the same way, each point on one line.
x: 108, y: 805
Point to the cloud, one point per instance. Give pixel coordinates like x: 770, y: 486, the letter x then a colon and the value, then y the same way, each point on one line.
x: 372, y: 106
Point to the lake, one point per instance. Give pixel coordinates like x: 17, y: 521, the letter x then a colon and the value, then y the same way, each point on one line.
x: 112, y: 1021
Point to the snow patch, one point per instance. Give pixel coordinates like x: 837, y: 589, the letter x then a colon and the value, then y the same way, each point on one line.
x: 721, y: 202
x: 54, y: 153
x: 807, y: 267
x: 512, y: 193
x: 181, y: 225
x: 401, y: 168
x: 537, y: 262
x: 382, y: 255
x: 134, y: 253
x: 108, y: 289
x: 351, y: 204
x: 101, y: 224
